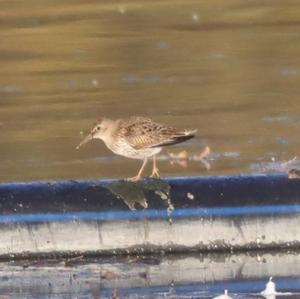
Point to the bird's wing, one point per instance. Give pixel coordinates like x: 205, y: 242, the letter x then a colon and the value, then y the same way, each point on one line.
x: 142, y: 132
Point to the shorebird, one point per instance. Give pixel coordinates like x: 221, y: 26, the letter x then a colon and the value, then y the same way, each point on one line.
x: 137, y: 138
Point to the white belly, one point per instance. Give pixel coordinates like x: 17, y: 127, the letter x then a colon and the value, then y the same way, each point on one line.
x: 125, y: 150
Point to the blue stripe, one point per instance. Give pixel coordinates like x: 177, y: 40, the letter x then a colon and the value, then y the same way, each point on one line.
x: 151, y: 214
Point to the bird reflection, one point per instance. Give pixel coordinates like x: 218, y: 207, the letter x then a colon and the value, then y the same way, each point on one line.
x: 133, y: 193
x: 182, y: 158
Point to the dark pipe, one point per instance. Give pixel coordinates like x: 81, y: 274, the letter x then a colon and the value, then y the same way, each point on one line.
x: 195, y: 213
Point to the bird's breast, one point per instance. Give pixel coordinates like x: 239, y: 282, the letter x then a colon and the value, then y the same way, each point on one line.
x: 122, y: 148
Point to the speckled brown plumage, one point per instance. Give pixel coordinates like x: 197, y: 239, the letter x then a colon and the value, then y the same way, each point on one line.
x: 141, y: 132
x: 137, y: 138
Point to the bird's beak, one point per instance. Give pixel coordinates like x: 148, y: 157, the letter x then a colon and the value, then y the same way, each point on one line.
x: 85, y: 140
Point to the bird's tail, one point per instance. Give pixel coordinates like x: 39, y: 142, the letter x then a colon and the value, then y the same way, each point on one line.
x: 178, y: 137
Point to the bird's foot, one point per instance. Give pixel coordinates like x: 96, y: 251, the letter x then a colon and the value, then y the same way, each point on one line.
x: 134, y: 179
x: 155, y: 173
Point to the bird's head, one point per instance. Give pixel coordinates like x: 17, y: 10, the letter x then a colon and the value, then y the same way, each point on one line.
x: 99, y: 131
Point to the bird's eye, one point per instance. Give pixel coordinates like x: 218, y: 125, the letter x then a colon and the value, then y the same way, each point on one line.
x: 98, y: 128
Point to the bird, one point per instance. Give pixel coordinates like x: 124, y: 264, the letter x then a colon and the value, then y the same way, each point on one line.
x: 137, y: 137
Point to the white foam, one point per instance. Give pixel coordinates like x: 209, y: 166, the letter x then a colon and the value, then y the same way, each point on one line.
x: 223, y: 296
x: 270, y: 291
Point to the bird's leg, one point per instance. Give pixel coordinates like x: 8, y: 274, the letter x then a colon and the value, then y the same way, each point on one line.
x: 138, y: 176
x: 155, y: 171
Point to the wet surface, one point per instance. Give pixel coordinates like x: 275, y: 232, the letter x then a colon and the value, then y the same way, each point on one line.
x: 245, y: 275
x: 230, y: 69
x: 227, y: 68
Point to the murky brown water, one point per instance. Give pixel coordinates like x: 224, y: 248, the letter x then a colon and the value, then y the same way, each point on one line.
x: 229, y: 68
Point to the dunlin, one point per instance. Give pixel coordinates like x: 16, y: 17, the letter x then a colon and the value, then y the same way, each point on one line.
x: 137, y: 138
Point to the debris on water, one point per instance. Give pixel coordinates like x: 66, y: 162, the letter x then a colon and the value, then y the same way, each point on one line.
x: 223, y: 296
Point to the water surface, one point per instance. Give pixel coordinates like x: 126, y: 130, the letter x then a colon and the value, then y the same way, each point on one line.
x: 231, y: 69
x: 245, y: 275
